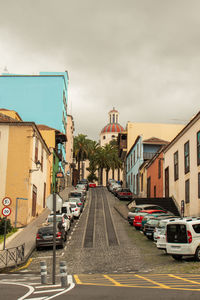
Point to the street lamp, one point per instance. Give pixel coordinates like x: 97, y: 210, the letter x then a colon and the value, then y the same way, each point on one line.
x: 38, y: 166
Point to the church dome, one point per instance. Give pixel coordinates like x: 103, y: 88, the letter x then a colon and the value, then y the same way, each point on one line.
x: 112, y: 127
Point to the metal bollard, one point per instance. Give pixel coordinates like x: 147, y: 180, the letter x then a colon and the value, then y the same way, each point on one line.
x: 43, y: 267
x: 63, y: 273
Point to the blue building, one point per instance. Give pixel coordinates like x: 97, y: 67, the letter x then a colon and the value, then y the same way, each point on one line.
x: 39, y: 98
x: 141, y: 151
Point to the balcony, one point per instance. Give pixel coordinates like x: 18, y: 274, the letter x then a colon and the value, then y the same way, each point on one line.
x: 148, y: 155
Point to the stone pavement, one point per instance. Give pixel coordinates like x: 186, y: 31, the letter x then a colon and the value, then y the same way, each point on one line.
x: 27, y: 234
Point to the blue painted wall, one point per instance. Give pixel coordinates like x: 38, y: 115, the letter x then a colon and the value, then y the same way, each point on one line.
x: 132, y: 171
x: 37, y: 98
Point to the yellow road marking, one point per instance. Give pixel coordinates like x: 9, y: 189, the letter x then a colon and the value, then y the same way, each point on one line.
x: 187, y: 280
x: 154, y: 282
x: 112, y: 280
x: 77, y: 279
x: 23, y: 267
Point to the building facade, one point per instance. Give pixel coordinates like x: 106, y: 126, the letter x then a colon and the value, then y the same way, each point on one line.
x: 25, y: 170
x: 40, y: 98
x: 141, y: 151
x: 182, y: 167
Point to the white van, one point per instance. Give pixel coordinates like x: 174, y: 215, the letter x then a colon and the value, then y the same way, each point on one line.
x: 66, y: 209
x: 183, y: 238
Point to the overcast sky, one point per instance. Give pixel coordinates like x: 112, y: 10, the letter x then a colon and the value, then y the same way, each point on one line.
x: 140, y: 56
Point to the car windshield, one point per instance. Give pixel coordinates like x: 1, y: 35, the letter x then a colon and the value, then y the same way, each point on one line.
x: 153, y: 222
x: 75, y: 194
x: 50, y: 219
x: 73, y: 205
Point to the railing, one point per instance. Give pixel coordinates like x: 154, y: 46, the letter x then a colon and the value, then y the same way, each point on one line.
x: 12, y: 256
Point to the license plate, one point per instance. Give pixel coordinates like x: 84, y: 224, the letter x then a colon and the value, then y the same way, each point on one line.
x: 48, y: 237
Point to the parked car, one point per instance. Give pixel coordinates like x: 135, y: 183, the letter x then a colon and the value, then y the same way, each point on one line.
x: 44, y: 236
x: 134, y: 210
x: 160, y: 216
x: 78, y: 201
x: 75, y: 209
x: 124, y: 194
x: 84, y: 181
x: 62, y: 218
x: 92, y: 185
x: 149, y: 227
x: 137, y: 222
x: 183, y: 238
x: 160, y: 233
x: 77, y: 194
x: 66, y: 209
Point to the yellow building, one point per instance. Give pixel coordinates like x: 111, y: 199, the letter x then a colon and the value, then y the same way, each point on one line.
x: 69, y: 149
x: 147, y: 130
x: 24, y: 169
x: 10, y: 113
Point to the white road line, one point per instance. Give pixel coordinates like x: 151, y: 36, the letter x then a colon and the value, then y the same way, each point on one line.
x: 65, y: 291
x: 48, y: 291
x: 47, y: 286
x: 37, y: 298
x: 31, y: 289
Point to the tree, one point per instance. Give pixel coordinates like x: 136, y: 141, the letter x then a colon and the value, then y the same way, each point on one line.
x: 80, y: 150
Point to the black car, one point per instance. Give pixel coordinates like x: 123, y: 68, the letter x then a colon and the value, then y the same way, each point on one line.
x: 44, y: 237
x: 150, y: 226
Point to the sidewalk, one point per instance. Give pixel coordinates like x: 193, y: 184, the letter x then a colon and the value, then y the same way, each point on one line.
x: 27, y: 235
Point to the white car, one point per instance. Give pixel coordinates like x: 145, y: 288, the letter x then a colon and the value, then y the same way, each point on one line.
x: 75, y: 209
x: 66, y: 208
x: 60, y: 218
x: 183, y: 238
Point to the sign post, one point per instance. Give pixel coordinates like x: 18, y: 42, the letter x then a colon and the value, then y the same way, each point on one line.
x: 6, y: 211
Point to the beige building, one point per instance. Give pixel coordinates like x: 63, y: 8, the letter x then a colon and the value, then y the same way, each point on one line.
x: 182, y: 167
x: 162, y: 131
x: 25, y: 169
x: 69, y: 149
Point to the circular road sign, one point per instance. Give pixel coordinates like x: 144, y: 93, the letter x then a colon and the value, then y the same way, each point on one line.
x: 6, y: 201
x: 6, y: 211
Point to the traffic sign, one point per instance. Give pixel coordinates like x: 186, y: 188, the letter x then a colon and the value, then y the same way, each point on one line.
x: 6, y: 211
x: 6, y: 201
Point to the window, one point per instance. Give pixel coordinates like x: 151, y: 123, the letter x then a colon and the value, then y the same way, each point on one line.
x: 187, y: 157
x: 42, y: 160
x: 104, y: 137
x: 187, y: 191
x: 154, y: 191
x: 149, y: 187
x: 159, y: 168
x: 167, y: 182
x: 199, y: 185
x: 134, y: 157
x: 113, y: 118
x: 36, y: 149
x: 198, y: 148
x: 142, y: 182
x: 176, y: 165
x: 131, y: 160
x: 137, y: 151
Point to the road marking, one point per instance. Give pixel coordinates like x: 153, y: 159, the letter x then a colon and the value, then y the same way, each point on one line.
x: 48, y: 291
x: 183, y: 279
x: 47, y: 286
x: 40, y: 298
x: 31, y: 289
x: 77, y: 279
x: 112, y: 280
x: 23, y: 267
x: 154, y: 282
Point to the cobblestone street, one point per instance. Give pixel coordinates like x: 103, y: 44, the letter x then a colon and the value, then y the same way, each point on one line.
x: 120, y: 250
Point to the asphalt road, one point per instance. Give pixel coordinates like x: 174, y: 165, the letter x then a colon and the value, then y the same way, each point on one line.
x: 108, y: 260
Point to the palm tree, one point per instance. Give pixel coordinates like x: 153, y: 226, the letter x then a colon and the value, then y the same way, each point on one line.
x: 93, y: 147
x: 80, y: 150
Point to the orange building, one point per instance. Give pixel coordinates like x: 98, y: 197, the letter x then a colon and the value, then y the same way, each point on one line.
x: 155, y: 176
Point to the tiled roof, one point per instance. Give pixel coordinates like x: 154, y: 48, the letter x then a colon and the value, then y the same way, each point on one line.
x: 5, y: 118
x: 154, y: 140
x: 112, y: 127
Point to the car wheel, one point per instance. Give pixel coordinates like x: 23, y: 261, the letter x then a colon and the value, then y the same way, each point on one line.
x: 38, y: 248
x: 197, y: 254
x: 62, y: 245
x: 177, y: 257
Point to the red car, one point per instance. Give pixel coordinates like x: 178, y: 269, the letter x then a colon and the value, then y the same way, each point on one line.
x: 92, y: 185
x: 137, y: 222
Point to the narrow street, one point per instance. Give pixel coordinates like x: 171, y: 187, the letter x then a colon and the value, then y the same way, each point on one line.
x: 98, y: 241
